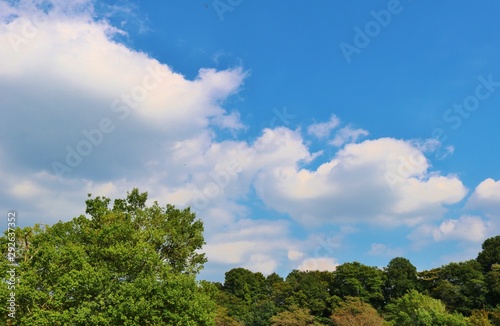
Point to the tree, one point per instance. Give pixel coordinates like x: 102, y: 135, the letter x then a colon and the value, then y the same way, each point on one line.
x: 310, y: 289
x: 223, y: 319
x: 490, y: 254
x: 493, y: 281
x: 415, y: 308
x: 358, y: 280
x: 461, y: 286
x: 479, y: 318
x: 401, y: 277
x: 354, y: 312
x: 294, y: 317
x: 244, y: 284
x: 127, y: 265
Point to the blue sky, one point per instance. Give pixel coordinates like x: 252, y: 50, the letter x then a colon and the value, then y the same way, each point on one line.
x: 304, y: 135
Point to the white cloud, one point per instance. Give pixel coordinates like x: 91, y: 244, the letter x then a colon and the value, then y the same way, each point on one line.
x: 320, y: 264
x: 466, y: 228
x: 347, y: 135
x: 294, y: 255
x: 323, y: 129
x: 486, y: 197
x: 257, y: 245
x: 363, y: 182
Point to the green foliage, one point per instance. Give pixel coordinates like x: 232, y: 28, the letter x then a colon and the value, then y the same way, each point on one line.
x: 479, y: 318
x: 223, y: 319
x: 400, y: 277
x: 245, y: 284
x: 358, y: 280
x: 462, y: 286
x: 415, y: 308
x: 355, y: 312
x: 311, y: 290
x: 129, y: 265
x: 294, y: 317
x: 493, y: 281
x: 490, y: 254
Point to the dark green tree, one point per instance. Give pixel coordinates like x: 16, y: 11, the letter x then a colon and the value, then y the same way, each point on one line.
x: 245, y: 284
x: 493, y: 281
x: 490, y: 254
x: 358, y: 280
x: 400, y: 277
x: 461, y: 286
x: 310, y: 289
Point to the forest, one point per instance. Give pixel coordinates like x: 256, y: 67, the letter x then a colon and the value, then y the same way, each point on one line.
x: 127, y: 263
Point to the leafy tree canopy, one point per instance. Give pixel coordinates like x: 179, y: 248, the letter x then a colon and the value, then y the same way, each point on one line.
x: 128, y: 264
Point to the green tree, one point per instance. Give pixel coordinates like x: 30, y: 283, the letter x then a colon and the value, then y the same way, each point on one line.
x: 479, y: 318
x: 127, y: 265
x: 461, y: 286
x: 490, y: 254
x: 355, y: 312
x: 223, y: 319
x: 493, y: 281
x: 415, y: 308
x: 400, y: 277
x: 310, y: 289
x: 294, y: 317
x: 245, y: 284
x: 358, y: 280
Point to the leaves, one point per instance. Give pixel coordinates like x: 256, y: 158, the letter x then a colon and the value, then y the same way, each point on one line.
x: 129, y: 265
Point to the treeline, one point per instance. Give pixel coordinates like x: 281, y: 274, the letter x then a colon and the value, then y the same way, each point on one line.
x: 465, y: 293
x: 126, y: 263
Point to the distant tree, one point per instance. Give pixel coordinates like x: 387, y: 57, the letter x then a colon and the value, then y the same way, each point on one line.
x: 462, y: 287
x: 493, y: 281
x: 358, y: 280
x: 310, y: 289
x: 272, y: 279
x: 294, y: 317
x: 127, y: 265
x: 495, y: 315
x: 235, y: 307
x: 490, y: 254
x: 245, y: 284
x: 355, y: 312
x: 479, y: 318
x: 223, y: 319
x: 428, y: 280
x: 401, y: 277
x: 415, y: 308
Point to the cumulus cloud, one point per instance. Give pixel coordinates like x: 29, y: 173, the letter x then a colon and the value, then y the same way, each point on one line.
x: 318, y: 264
x: 67, y: 98
x: 466, y: 228
x: 63, y: 78
x: 384, y: 181
x: 486, y: 197
x: 258, y: 245
x: 322, y: 130
x: 347, y: 135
